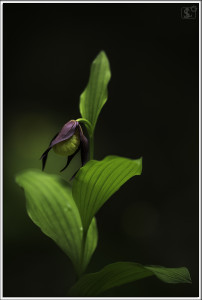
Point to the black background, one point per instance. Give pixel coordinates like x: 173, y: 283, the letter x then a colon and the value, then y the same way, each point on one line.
x: 152, y: 111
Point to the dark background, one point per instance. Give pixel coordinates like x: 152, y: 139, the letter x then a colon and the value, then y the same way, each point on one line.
x: 152, y: 111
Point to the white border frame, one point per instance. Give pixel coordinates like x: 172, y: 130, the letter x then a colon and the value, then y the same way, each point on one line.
x: 1, y: 152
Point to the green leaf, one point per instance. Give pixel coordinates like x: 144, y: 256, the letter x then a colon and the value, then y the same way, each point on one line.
x: 50, y: 205
x: 171, y: 275
x: 95, y: 94
x: 116, y: 274
x: 97, y: 181
x: 91, y: 243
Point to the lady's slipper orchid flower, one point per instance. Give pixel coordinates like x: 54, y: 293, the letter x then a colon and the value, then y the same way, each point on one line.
x: 67, y: 143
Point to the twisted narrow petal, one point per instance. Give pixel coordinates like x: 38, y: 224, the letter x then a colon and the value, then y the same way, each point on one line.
x: 45, y: 154
x: 69, y: 158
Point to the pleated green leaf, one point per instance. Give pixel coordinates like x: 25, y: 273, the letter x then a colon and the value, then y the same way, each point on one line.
x: 95, y: 94
x: 117, y: 274
x: 97, y: 181
x: 50, y: 205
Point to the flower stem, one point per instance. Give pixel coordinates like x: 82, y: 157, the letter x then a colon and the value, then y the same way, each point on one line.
x: 91, y: 146
x: 87, y: 124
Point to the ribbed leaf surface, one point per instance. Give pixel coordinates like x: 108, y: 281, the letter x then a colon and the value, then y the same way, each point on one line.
x: 50, y: 205
x: 95, y: 94
x: 97, y: 181
x: 117, y: 274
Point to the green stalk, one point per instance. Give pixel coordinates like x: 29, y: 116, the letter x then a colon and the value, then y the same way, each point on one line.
x: 90, y: 130
x: 91, y: 147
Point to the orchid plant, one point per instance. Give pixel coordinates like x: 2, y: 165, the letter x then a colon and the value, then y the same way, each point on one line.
x: 65, y: 210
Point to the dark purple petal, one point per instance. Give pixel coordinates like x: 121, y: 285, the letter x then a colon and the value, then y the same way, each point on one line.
x: 44, y: 158
x: 73, y: 175
x: 84, y: 147
x: 69, y: 158
x: 65, y: 133
x: 45, y: 154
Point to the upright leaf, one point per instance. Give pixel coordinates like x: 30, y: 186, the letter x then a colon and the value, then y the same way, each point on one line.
x: 97, y: 181
x: 51, y: 207
x: 95, y: 94
x: 117, y: 274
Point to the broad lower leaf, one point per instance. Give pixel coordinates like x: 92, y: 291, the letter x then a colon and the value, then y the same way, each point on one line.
x: 97, y: 181
x: 50, y: 205
x: 117, y: 274
x: 95, y: 94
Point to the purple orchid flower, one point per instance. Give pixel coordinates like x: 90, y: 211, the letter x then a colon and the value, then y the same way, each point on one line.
x: 67, y: 143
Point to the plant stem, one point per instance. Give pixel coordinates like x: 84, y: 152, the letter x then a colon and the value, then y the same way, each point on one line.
x: 91, y: 140
x: 87, y: 124
x: 91, y: 147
